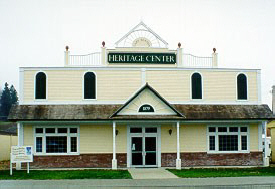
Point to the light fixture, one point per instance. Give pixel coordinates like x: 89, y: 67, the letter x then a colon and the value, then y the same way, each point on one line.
x: 170, y: 131
x: 116, y: 132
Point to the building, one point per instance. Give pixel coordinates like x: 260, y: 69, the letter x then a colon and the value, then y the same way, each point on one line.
x: 8, y: 138
x: 271, y: 127
x: 141, y: 105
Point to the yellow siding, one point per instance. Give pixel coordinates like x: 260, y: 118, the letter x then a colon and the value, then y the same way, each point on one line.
x: 29, y: 85
x: 193, y: 138
x: 173, y: 85
x: 254, y: 141
x: 28, y: 135
x: 121, y: 139
x: 273, y: 144
x: 168, y: 142
x: 6, y: 142
x: 117, y: 85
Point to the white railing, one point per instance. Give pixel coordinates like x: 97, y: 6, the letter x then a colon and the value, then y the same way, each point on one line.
x: 190, y: 60
x: 95, y: 59
x: 92, y: 59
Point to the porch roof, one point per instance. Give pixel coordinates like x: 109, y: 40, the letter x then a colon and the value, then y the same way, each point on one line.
x: 103, y: 112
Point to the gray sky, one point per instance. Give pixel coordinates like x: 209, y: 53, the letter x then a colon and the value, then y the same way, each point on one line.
x: 35, y: 32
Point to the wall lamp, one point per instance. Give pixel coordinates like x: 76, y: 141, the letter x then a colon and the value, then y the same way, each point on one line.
x: 170, y: 131
x: 116, y: 132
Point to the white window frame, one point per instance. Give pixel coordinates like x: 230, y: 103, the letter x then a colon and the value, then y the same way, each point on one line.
x: 239, y: 133
x: 44, y: 135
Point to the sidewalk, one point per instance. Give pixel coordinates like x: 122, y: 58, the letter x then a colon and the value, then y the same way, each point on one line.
x: 197, y: 183
x: 151, y: 173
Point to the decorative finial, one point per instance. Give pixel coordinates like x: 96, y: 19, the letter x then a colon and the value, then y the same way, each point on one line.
x: 214, y: 50
x: 67, y: 48
x: 103, y: 43
x: 179, y: 44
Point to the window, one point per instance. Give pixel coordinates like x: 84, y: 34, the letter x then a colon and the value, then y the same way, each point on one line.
x: 227, y: 139
x: 40, y: 85
x: 89, y: 85
x: 196, y: 85
x: 241, y: 87
x: 56, y: 140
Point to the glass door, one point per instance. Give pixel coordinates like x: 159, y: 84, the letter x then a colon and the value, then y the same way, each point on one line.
x: 137, y: 150
x: 150, y: 151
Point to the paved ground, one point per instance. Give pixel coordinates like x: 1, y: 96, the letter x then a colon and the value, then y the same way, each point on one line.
x: 151, y: 173
x: 196, y: 183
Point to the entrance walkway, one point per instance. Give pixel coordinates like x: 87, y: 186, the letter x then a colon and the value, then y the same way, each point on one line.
x: 151, y: 173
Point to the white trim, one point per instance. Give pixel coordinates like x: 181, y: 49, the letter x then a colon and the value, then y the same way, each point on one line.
x: 21, y: 86
x: 40, y: 100
x: 259, y: 86
x: 239, y: 133
x: 247, y: 88
x: 260, y: 137
x: 190, y: 89
x: 138, y: 68
x: 20, y: 134
x: 123, y: 101
x: 114, y: 160
x: 84, y: 85
x: 44, y: 134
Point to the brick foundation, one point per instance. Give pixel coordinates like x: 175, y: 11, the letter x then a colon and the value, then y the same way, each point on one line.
x: 204, y: 159
x: 79, y: 161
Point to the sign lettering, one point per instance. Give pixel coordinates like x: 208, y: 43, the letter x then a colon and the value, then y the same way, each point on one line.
x: 149, y: 58
x: 146, y: 108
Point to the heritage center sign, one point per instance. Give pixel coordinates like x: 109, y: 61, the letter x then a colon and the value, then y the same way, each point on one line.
x: 150, y: 58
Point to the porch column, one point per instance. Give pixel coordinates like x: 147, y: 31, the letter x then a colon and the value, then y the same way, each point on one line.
x: 114, y: 161
x: 178, y: 161
x: 20, y: 140
x: 266, y: 161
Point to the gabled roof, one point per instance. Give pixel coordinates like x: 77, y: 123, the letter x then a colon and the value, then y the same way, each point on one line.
x: 147, y: 86
x: 144, y: 28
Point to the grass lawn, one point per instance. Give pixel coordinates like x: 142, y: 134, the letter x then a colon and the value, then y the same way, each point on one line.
x: 223, y: 172
x: 65, y: 174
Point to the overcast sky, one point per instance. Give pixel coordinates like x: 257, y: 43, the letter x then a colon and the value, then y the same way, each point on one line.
x: 35, y: 32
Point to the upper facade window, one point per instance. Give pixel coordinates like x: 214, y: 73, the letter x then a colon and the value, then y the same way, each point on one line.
x: 89, y: 85
x: 241, y: 87
x: 40, y: 85
x: 196, y: 84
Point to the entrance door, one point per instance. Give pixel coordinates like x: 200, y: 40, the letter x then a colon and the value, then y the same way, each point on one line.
x: 144, y: 151
x: 150, y: 150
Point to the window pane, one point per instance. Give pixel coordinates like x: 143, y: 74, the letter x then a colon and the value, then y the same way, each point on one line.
x: 242, y: 87
x: 244, y: 142
x: 228, y: 142
x: 89, y: 85
x: 50, y: 130
x: 222, y: 129
x: 38, y: 144
x: 196, y: 86
x: 73, y: 144
x: 136, y: 130
x: 151, y: 130
x: 243, y: 129
x: 211, y: 142
x: 233, y: 129
x: 56, y: 144
x: 212, y: 129
x: 62, y: 130
x: 40, y: 86
x: 73, y: 130
x: 38, y: 130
